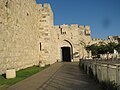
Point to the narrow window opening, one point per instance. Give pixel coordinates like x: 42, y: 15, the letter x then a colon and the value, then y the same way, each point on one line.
x: 58, y: 36
x: 71, y: 35
x: 40, y: 46
x: 6, y: 5
x: 61, y: 30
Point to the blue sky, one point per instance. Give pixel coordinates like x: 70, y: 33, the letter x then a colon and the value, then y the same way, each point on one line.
x: 102, y: 15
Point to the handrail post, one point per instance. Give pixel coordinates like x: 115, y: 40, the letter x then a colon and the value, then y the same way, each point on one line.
x: 117, y: 77
x: 108, y: 71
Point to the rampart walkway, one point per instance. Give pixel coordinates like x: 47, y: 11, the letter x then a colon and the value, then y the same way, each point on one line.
x: 59, y: 76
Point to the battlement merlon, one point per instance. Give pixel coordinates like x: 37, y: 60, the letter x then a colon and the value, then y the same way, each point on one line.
x: 75, y: 25
x: 64, y: 26
x: 96, y: 39
x: 70, y: 26
x: 81, y: 27
x: 40, y: 6
x: 84, y: 27
x: 57, y: 27
x: 47, y: 7
x: 87, y: 27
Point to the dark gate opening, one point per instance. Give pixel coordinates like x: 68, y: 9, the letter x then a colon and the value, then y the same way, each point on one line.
x: 66, y: 56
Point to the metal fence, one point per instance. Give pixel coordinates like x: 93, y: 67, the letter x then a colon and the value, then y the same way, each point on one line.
x: 102, y: 71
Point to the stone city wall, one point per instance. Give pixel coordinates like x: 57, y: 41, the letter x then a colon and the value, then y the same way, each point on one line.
x: 19, y: 33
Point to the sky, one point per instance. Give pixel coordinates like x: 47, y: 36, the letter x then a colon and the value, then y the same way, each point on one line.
x: 103, y: 16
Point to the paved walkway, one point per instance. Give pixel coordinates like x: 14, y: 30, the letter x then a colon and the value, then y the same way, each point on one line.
x: 59, y: 76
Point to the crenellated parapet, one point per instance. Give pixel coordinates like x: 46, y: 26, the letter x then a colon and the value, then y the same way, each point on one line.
x: 45, y: 6
x: 73, y: 28
x: 103, y: 41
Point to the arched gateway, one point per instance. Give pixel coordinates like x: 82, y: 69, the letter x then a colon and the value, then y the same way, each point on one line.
x: 66, y: 51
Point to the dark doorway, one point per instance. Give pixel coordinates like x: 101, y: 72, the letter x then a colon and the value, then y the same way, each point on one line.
x: 66, y: 54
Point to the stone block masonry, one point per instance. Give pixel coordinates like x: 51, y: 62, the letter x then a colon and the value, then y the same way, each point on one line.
x: 19, y: 33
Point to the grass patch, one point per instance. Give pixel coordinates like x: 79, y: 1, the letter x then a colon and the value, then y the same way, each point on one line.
x: 20, y: 75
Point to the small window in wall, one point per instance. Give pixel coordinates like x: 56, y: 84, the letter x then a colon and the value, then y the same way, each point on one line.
x: 46, y: 34
x: 6, y: 5
x: 44, y: 16
x: 58, y: 36
x: 71, y: 35
x: 61, y: 30
x: 42, y: 20
x: 40, y: 46
x: 27, y: 14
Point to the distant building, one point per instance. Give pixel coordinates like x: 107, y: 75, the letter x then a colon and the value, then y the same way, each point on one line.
x: 114, y: 38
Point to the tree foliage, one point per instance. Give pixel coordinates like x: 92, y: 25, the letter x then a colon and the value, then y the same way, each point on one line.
x: 93, y: 48
x: 103, y: 49
x: 118, y: 48
x: 110, y: 47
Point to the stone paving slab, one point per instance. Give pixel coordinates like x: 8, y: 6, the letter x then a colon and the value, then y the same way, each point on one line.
x: 59, y: 76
